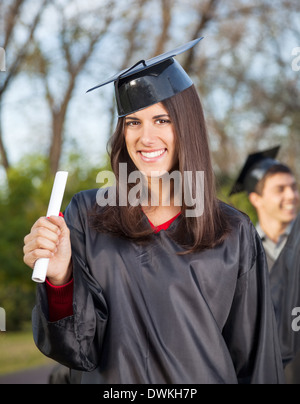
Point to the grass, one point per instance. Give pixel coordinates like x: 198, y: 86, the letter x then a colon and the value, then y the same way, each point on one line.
x: 18, y: 352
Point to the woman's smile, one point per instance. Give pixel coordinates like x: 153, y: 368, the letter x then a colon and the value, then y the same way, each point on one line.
x: 150, y: 140
x: 152, y: 156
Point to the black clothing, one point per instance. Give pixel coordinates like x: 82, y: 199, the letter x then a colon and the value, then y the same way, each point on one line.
x: 149, y: 82
x: 285, y: 289
x: 143, y: 314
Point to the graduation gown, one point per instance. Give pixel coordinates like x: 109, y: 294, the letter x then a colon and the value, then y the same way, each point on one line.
x: 285, y: 289
x: 143, y: 314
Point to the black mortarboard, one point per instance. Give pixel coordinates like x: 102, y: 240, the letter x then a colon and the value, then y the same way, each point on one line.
x: 255, y: 168
x: 149, y: 82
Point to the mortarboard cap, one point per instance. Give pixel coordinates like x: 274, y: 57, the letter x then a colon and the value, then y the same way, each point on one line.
x: 149, y: 82
x: 255, y: 168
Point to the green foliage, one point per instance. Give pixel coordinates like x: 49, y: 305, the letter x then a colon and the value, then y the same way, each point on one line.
x: 239, y: 201
x: 23, y: 200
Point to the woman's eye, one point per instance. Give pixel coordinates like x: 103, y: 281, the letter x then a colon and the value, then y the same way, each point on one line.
x: 163, y: 121
x: 132, y: 123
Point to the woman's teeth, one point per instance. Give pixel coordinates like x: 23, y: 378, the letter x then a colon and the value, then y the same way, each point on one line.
x: 153, y: 154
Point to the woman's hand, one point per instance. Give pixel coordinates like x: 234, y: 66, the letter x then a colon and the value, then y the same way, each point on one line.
x: 50, y: 238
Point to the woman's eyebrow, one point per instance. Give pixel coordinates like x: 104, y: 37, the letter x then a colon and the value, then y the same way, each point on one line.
x: 161, y: 116
x: 131, y: 118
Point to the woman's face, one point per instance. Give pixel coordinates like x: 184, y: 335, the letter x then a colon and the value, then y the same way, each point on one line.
x: 150, y: 140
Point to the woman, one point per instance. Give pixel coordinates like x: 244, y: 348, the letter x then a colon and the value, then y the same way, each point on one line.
x: 161, y: 293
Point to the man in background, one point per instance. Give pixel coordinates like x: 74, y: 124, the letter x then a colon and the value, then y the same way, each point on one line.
x: 272, y: 190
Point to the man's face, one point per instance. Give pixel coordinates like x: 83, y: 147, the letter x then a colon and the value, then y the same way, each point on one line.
x: 280, y: 198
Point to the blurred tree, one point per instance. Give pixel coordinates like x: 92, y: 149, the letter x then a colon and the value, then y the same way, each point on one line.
x: 78, y: 34
x: 13, y: 20
x: 250, y: 92
x: 242, y: 69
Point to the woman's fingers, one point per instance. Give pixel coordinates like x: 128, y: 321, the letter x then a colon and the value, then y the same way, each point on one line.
x: 47, y: 236
x: 46, y: 223
x: 32, y: 256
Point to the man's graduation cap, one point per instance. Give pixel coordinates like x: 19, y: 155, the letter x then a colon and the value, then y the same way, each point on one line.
x: 255, y: 168
x: 149, y: 82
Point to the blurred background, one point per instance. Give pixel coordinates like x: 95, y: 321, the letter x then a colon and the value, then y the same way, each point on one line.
x: 247, y: 71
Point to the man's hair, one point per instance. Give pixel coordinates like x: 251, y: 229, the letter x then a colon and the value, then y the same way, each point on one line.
x: 276, y: 169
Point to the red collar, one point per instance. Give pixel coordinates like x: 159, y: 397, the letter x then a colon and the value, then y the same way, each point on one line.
x: 163, y: 226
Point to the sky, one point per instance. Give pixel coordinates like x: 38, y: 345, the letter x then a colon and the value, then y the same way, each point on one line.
x: 26, y: 120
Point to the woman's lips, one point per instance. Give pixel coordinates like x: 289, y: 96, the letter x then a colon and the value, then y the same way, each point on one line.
x: 152, y: 156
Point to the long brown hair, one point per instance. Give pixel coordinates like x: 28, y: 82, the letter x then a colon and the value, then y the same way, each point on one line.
x: 192, y: 233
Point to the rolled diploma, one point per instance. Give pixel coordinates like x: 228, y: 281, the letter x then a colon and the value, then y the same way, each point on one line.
x: 57, y: 194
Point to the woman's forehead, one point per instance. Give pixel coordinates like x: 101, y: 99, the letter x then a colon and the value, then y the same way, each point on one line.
x: 152, y: 111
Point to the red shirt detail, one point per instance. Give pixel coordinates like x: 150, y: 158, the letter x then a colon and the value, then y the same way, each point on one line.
x: 60, y: 300
x: 165, y: 225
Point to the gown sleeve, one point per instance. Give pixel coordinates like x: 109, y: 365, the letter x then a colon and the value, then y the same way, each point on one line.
x: 74, y: 341
x: 250, y: 331
x: 285, y: 288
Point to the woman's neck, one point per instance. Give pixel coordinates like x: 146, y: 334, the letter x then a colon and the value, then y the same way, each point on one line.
x: 161, y: 214
x: 161, y: 202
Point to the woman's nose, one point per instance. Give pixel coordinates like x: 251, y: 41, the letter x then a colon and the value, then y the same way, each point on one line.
x: 148, y: 134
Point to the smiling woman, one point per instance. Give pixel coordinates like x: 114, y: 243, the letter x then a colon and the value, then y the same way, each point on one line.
x: 176, y: 128
x: 150, y: 140
x: 155, y: 294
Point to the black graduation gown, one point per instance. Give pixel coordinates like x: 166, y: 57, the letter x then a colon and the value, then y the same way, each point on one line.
x: 285, y: 289
x: 143, y: 314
